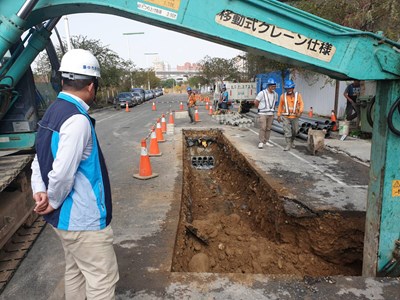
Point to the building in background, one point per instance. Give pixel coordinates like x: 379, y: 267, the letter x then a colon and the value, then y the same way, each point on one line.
x: 164, y: 71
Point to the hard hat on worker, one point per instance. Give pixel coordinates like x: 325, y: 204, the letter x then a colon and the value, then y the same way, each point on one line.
x: 79, y: 64
x: 189, y: 89
x: 289, y: 84
x: 271, y: 81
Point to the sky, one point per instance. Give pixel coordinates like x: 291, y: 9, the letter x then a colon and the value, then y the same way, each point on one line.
x: 171, y: 47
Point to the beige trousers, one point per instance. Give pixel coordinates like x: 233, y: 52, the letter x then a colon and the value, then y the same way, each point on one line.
x: 265, y: 128
x: 91, y: 269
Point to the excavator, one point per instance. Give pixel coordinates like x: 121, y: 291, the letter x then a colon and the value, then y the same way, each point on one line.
x: 265, y: 27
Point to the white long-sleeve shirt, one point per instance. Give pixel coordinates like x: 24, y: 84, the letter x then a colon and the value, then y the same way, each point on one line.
x: 75, y: 144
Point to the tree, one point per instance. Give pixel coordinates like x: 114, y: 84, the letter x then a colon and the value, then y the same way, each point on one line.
x: 113, y: 68
x: 169, y: 83
x: 218, y: 69
x: 43, y: 67
x: 195, y: 81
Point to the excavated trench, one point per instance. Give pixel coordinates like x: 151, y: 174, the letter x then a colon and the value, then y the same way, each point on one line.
x: 233, y: 221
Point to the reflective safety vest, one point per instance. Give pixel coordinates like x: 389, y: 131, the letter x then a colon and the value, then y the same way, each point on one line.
x: 290, y: 111
x: 267, y: 105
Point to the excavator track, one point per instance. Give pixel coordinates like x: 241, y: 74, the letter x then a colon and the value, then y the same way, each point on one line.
x: 15, y: 250
x: 11, y: 166
x: 19, y: 225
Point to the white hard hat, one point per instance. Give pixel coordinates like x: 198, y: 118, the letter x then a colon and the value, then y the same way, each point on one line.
x: 77, y: 62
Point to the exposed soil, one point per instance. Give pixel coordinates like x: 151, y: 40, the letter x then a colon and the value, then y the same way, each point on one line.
x: 234, y: 221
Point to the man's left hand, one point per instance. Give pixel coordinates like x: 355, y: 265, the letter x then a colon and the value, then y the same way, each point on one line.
x: 46, y: 211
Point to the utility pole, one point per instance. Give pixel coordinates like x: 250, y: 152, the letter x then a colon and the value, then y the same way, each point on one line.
x: 129, y: 52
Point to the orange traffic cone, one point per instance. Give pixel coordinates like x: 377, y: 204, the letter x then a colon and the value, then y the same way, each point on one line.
x: 159, y: 134
x: 206, y: 105
x: 210, y: 111
x: 145, y: 171
x: 310, y: 112
x: 154, y: 150
x: 196, y: 114
x: 154, y: 106
x: 163, y: 124
x: 171, y: 124
x: 181, y: 106
x: 171, y: 119
x: 127, y: 107
x: 334, y: 121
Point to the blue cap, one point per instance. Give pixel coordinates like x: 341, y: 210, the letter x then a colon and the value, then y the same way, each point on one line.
x: 289, y: 84
x: 188, y: 88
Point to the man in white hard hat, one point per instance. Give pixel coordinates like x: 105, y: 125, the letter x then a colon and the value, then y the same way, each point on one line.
x: 70, y: 182
x: 265, y: 102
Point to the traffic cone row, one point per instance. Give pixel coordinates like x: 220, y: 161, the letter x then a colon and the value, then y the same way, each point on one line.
x: 156, y: 136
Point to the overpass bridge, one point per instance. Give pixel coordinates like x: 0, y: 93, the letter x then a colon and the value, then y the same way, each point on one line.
x: 177, y: 74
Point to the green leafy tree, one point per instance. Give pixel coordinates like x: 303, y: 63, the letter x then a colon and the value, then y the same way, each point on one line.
x: 218, y: 69
x: 113, y: 68
x: 115, y: 71
x: 168, y: 83
x: 195, y: 81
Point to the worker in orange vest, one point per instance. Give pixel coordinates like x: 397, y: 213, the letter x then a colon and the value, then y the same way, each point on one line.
x: 191, y: 103
x: 290, y: 108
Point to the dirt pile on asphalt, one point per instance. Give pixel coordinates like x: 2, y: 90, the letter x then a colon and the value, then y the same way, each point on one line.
x: 232, y: 221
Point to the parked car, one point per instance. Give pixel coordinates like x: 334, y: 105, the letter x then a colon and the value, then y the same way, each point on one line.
x: 126, y: 97
x: 137, y: 97
x: 141, y: 93
x: 158, y: 92
x: 148, y: 95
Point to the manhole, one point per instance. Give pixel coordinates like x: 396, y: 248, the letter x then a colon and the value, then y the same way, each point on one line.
x: 233, y: 221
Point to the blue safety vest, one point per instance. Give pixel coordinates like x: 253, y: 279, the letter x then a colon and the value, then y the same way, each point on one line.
x: 88, y: 205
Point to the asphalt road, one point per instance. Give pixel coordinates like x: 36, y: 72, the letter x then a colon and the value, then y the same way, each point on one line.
x: 145, y: 221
